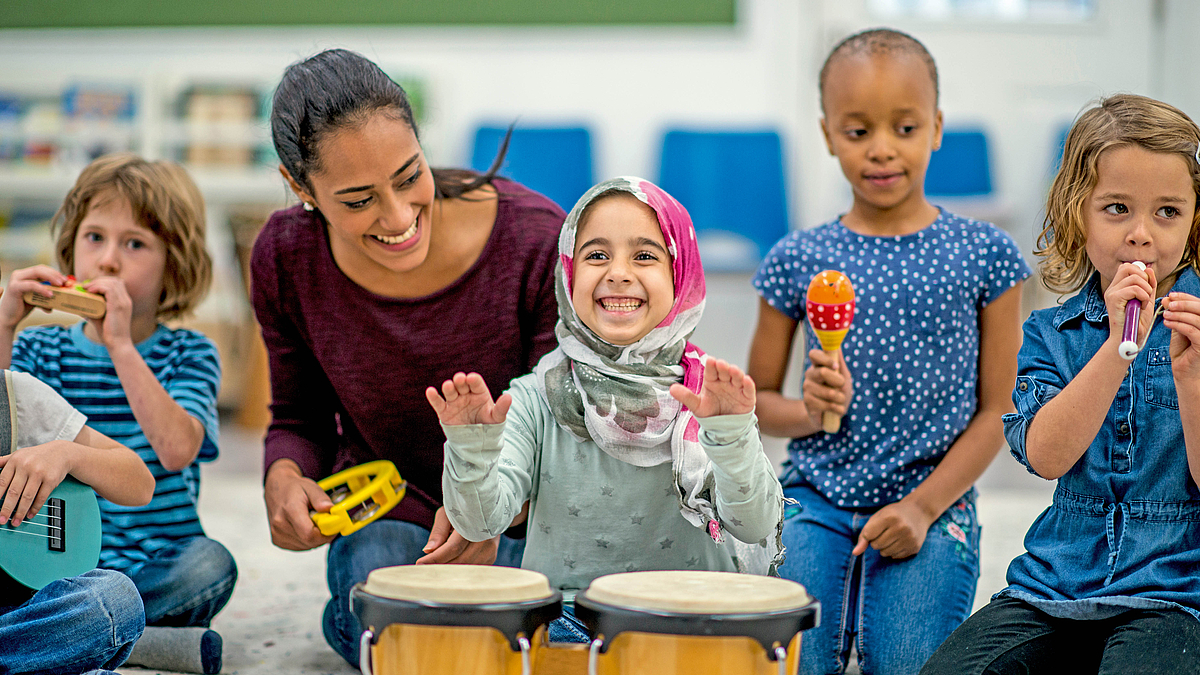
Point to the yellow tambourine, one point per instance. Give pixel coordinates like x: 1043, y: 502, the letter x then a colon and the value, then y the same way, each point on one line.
x: 360, y: 495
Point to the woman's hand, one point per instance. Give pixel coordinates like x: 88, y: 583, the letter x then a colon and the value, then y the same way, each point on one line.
x: 290, y: 498
x: 1130, y: 283
x: 1183, y: 318
x: 725, y: 390
x: 115, y: 327
x: 828, y: 386
x: 467, y: 401
x: 447, y: 547
x: 13, y: 307
x: 28, y: 476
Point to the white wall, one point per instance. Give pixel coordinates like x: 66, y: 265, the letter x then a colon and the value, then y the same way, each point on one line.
x: 1020, y: 81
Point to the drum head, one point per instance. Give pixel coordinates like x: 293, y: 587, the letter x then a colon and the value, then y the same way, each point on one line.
x: 458, y: 584
x: 698, y: 592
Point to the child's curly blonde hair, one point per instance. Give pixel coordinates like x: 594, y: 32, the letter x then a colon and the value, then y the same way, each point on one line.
x: 1116, y: 121
x: 162, y: 197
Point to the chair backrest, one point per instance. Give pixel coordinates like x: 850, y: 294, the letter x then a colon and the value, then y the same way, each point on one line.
x: 960, y: 168
x: 555, y: 161
x: 733, y: 185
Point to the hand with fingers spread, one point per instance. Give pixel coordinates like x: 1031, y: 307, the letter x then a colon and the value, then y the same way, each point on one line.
x: 897, y: 531
x: 1182, y: 317
x: 467, y: 401
x: 28, y: 476
x: 827, y: 385
x: 290, y: 498
x: 725, y: 390
x: 1130, y: 283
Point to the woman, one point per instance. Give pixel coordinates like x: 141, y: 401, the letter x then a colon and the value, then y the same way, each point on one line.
x: 364, y: 292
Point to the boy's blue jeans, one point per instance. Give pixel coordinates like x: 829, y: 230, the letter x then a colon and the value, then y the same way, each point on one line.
x: 898, y: 611
x: 383, y: 543
x: 186, y: 583
x: 72, y: 625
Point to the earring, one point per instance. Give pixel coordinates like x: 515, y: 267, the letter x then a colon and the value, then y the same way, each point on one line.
x: 308, y: 206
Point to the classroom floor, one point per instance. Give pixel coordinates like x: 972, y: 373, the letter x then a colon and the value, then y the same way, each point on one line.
x: 272, y: 624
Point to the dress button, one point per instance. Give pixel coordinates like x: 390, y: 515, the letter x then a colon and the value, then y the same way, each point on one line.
x: 1023, y: 386
x: 1123, y: 428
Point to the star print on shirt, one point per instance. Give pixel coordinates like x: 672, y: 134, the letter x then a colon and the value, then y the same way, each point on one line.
x: 470, y: 466
x: 745, y: 489
x: 692, y: 562
x: 544, y: 528
x: 636, y: 520
x: 630, y: 568
x: 602, y: 542
x: 547, y: 477
x: 455, y: 512
x: 607, y: 490
x: 666, y: 543
x: 572, y: 510
x: 735, y: 522
x: 579, y: 456
x: 569, y: 561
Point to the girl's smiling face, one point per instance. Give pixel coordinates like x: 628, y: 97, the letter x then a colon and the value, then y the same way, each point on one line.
x: 622, y: 279
x: 1141, y: 209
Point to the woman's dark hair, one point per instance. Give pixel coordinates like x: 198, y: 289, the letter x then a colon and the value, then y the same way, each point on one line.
x: 337, y: 89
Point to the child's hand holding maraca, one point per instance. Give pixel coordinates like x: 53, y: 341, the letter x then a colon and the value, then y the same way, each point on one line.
x: 13, y: 307
x: 827, y: 384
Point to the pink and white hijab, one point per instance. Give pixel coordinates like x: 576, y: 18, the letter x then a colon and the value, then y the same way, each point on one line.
x: 618, y: 395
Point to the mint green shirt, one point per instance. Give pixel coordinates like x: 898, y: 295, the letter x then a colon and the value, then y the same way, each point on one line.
x: 591, y: 514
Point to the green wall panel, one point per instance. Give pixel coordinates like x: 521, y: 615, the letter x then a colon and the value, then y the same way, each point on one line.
x: 121, y: 13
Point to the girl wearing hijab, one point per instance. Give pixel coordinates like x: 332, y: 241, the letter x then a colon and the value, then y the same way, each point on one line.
x: 635, y: 450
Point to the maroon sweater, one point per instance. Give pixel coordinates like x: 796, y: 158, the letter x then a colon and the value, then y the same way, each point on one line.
x: 349, y: 368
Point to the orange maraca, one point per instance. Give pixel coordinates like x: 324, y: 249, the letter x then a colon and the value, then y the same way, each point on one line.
x: 830, y: 309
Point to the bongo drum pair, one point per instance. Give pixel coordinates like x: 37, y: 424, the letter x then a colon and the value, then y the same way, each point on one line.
x: 479, y: 620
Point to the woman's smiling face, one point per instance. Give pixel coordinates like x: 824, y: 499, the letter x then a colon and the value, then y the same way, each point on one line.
x: 622, y: 280
x: 376, y: 191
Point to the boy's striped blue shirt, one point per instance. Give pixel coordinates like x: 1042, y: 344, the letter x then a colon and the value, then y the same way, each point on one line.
x: 186, y: 364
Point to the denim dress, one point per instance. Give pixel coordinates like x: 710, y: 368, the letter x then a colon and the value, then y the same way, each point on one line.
x: 1123, y: 530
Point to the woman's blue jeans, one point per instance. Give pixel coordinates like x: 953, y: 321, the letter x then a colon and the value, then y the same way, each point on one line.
x: 72, y: 625
x: 383, y: 543
x: 896, y: 612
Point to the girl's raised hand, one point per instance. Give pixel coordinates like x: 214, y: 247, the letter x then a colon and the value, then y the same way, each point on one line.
x: 467, y: 401
x: 1130, y: 282
x: 1183, y: 318
x: 725, y: 390
x: 827, y: 384
x: 13, y: 307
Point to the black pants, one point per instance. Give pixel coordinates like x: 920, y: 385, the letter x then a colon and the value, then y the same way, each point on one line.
x: 1008, y: 636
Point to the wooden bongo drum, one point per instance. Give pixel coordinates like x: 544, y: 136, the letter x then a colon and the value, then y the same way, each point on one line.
x: 694, y: 623
x: 452, y: 619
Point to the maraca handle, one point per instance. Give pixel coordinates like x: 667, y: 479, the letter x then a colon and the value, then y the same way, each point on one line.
x: 831, y: 422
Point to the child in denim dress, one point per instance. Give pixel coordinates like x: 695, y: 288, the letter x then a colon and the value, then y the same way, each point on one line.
x: 1110, y: 582
x: 885, y: 534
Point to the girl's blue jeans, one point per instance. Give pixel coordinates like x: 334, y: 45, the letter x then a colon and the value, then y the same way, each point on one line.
x: 895, y: 612
x: 383, y: 543
x: 72, y: 626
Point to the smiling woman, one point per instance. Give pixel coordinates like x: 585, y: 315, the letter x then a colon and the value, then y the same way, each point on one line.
x: 388, y: 277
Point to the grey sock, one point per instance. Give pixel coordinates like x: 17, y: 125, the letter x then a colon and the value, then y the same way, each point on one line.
x: 186, y: 650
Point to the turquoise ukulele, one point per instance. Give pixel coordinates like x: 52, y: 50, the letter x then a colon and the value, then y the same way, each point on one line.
x: 63, y: 538
x: 60, y: 540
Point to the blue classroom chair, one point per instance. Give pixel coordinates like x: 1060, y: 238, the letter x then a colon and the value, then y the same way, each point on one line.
x: 961, y: 167
x: 555, y: 161
x: 732, y: 183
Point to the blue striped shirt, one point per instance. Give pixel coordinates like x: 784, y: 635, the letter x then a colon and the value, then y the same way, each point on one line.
x: 186, y: 364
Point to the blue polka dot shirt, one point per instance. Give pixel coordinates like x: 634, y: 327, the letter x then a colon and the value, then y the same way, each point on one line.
x: 913, y: 348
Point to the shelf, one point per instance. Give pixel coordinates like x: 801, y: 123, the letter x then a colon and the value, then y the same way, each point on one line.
x: 259, y: 185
